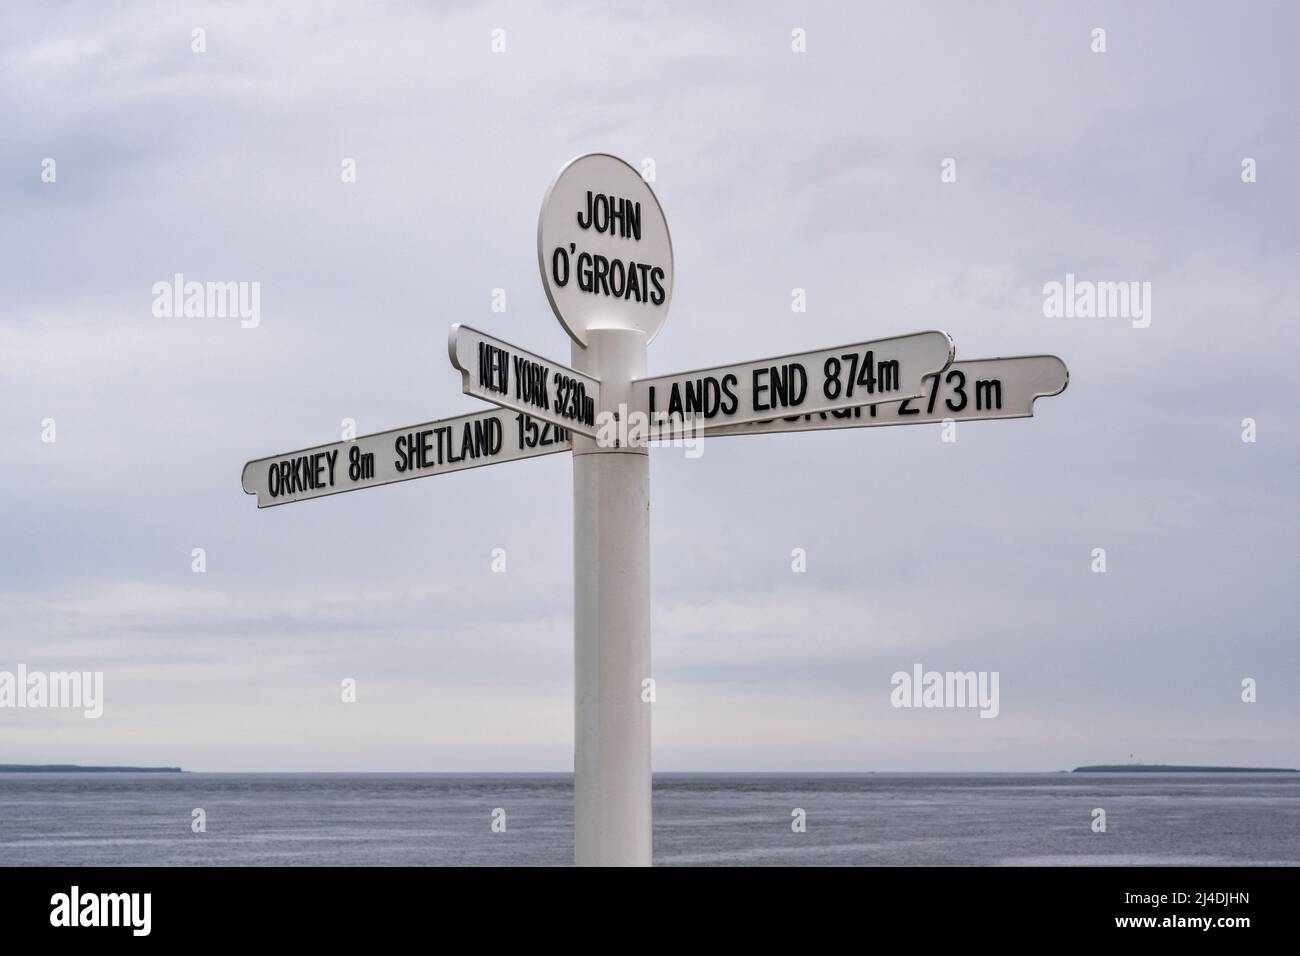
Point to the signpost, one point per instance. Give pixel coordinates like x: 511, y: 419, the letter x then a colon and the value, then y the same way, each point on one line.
x: 604, y: 249
x: 431, y: 448
x: 807, y: 383
x: 975, y: 390
x: 499, y: 372
x: 606, y: 260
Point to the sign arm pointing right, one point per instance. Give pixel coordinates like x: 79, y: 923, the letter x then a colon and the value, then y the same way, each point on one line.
x: 889, y: 369
x: 970, y: 390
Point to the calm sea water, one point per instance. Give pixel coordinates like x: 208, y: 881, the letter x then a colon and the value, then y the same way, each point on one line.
x: 726, y: 819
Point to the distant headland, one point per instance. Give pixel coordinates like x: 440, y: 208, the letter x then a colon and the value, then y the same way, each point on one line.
x: 75, y: 768
x: 1174, y: 768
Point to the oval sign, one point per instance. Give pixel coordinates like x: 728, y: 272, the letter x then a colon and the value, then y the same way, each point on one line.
x: 604, y: 249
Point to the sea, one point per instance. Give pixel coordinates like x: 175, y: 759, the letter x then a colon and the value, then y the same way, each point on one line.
x: 873, y: 819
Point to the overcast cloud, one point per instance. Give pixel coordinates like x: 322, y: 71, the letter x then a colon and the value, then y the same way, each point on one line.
x: 776, y: 170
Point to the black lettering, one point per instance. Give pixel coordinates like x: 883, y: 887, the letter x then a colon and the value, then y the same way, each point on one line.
x: 798, y: 383
x: 889, y: 375
x: 558, y: 257
x: 934, y: 392
x: 493, y: 367
x: 674, y: 401
x: 656, y: 279
x: 617, y: 277
x: 780, y: 386
x: 867, y: 374
x: 712, y: 397
x: 831, y: 385
x: 958, y: 389
x: 614, y: 215
x: 988, y: 394
x: 693, y: 403
x: 616, y: 218
x: 789, y: 385
x: 728, y: 389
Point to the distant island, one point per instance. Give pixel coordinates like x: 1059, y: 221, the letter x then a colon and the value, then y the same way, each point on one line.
x: 1173, y: 768
x: 75, y: 768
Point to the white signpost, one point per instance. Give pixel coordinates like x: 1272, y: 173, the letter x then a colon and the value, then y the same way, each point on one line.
x: 505, y: 374
x: 974, y: 390
x: 807, y: 383
x: 604, y: 249
x: 606, y: 260
x: 431, y: 448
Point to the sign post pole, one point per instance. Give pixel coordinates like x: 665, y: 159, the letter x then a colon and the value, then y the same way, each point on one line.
x: 611, y: 619
x: 606, y: 261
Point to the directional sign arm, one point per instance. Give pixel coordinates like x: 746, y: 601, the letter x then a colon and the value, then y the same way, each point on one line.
x: 805, y: 383
x: 431, y: 448
x: 507, y: 375
x: 970, y: 390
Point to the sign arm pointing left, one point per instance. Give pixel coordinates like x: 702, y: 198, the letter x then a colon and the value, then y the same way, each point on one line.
x: 511, y: 377
x: 431, y: 448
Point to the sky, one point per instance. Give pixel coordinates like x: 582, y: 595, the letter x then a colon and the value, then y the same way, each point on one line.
x: 778, y: 169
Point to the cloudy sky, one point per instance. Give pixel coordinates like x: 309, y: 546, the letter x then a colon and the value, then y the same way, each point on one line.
x: 777, y: 170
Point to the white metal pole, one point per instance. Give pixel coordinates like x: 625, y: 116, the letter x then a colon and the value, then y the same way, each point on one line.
x: 611, y: 621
